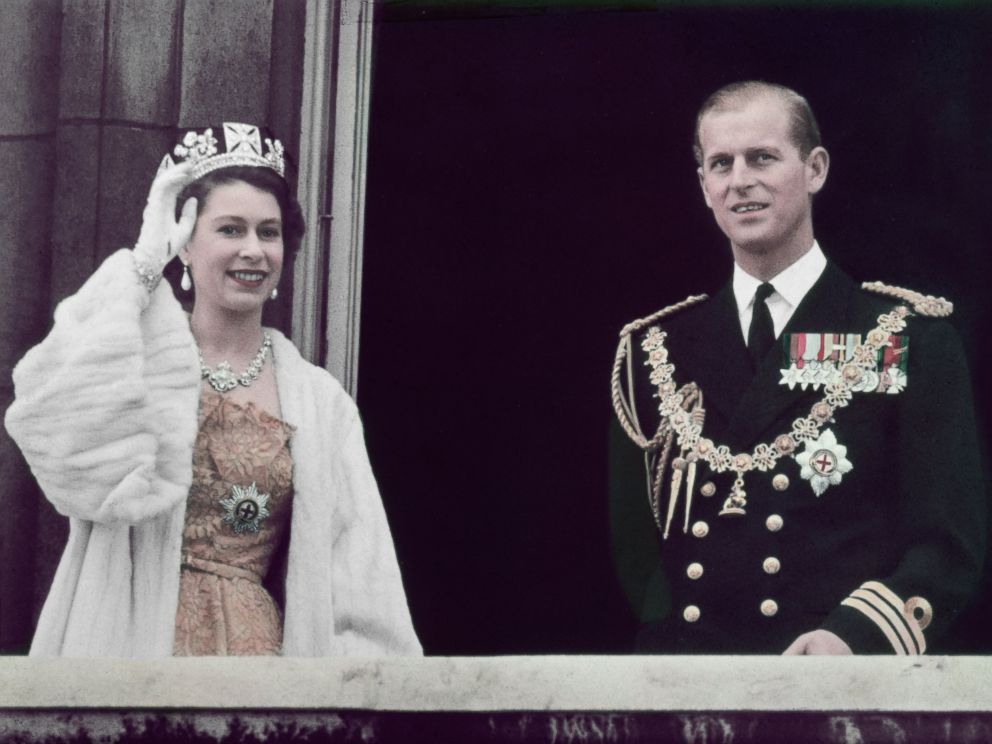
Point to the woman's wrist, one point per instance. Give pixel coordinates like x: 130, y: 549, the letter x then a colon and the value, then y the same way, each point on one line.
x: 149, y: 272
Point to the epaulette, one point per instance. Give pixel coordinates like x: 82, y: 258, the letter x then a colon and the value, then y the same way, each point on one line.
x: 636, y: 325
x: 933, y: 307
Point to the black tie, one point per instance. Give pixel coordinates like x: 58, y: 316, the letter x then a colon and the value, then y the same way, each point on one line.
x: 761, y: 335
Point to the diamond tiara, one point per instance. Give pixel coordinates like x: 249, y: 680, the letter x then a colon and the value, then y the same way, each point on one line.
x: 242, y: 145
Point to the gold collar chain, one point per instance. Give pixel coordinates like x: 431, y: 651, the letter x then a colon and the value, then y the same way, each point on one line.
x: 682, y: 414
x: 688, y: 425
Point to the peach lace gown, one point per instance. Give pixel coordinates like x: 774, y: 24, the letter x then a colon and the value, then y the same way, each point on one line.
x: 223, y: 607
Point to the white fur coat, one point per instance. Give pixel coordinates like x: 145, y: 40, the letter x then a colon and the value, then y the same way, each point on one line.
x: 106, y: 415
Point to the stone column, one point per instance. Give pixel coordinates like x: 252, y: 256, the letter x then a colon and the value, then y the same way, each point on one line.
x: 28, y: 89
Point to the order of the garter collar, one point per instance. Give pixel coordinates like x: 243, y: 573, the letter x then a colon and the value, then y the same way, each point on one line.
x: 688, y: 428
x: 223, y: 379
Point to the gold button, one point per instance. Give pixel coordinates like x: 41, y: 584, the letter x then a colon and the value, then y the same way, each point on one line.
x: 774, y: 523
x: 771, y: 565
x: 708, y: 488
x: 694, y: 571
x: 769, y: 607
x: 690, y: 614
x: 780, y: 482
x: 700, y: 529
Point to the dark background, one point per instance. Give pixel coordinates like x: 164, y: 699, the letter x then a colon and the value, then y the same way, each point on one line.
x: 531, y: 188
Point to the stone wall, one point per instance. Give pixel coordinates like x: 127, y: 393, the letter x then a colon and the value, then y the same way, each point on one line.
x: 29, y: 81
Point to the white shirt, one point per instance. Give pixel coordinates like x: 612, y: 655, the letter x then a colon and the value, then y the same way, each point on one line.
x: 791, y: 285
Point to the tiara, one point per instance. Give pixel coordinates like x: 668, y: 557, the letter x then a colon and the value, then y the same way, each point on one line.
x: 242, y: 146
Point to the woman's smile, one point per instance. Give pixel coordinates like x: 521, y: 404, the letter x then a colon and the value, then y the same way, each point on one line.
x: 236, y: 252
x: 248, y: 278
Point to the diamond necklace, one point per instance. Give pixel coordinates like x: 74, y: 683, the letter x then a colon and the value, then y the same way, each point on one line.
x: 224, y: 380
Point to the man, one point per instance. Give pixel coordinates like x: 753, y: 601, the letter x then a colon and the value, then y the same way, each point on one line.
x: 813, y: 468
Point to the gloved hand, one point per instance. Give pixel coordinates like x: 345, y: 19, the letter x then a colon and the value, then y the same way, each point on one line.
x: 162, y: 236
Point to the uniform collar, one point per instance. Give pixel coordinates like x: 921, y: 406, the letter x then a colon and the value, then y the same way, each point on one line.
x: 791, y: 284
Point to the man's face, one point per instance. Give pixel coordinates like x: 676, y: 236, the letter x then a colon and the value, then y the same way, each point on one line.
x: 754, y: 180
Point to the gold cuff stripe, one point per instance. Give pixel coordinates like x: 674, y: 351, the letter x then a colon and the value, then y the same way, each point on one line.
x: 900, y: 607
x: 867, y: 609
x: 894, y: 619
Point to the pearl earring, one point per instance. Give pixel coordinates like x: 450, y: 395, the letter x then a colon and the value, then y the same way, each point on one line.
x: 186, y: 283
x: 275, y: 293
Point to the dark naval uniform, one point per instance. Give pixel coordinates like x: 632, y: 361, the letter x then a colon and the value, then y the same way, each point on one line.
x: 886, y: 555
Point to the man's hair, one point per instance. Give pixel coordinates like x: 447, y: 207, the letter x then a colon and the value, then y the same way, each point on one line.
x: 803, y: 131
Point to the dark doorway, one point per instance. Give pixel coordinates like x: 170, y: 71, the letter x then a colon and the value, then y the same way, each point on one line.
x: 531, y: 188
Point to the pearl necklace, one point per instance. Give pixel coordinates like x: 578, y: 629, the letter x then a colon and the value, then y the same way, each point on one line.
x: 224, y: 380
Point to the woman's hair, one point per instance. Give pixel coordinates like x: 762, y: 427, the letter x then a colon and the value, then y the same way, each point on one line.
x: 263, y: 179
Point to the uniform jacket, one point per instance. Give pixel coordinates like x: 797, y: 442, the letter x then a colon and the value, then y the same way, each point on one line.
x: 904, y: 524
x: 106, y: 415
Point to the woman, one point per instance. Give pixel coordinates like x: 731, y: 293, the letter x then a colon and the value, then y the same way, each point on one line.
x: 186, y: 450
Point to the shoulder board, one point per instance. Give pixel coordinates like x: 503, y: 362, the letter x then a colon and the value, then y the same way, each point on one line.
x: 933, y: 307
x: 635, y: 326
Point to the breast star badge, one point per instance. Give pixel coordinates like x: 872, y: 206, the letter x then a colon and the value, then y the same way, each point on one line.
x: 245, y: 508
x: 823, y: 462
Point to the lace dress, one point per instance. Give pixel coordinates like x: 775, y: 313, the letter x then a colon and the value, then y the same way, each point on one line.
x: 237, y: 515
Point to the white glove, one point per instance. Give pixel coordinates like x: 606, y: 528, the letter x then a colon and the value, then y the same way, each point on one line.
x: 162, y: 237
